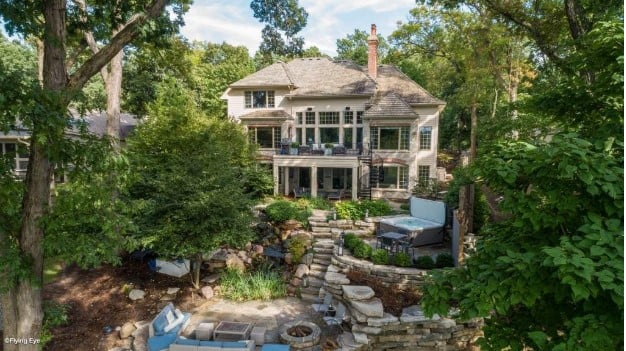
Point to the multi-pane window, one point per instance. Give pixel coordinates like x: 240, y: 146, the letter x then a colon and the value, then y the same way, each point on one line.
x: 310, y: 117
x: 329, y: 135
x: 348, y: 117
x: 329, y: 117
x: 394, y: 177
x: 423, y: 174
x: 347, y: 137
x: 425, y: 137
x: 390, y: 138
x: 18, y: 155
x: 298, y: 117
x: 265, y: 137
x: 359, y: 117
x: 259, y: 98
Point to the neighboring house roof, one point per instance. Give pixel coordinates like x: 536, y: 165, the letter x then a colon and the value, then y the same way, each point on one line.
x: 390, y: 105
x: 322, y: 77
x: 266, y: 114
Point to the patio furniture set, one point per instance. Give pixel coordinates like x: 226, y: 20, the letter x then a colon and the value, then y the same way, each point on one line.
x: 166, y: 327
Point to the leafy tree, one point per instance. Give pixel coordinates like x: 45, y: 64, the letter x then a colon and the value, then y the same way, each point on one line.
x: 44, y: 110
x: 284, y: 20
x: 313, y: 51
x: 191, y: 174
x: 354, y: 47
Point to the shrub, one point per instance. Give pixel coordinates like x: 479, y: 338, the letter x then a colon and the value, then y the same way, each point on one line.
x: 349, y: 210
x: 375, y: 208
x: 380, y: 256
x: 425, y: 262
x: 281, y: 211
x: 350, y: 240
x: 318, y: 203
x: 54, y: 315
x: 444, y: 260
x: 297, y: 248
x: 362, y: 250
x: 405, y: 207
x: 402, y: 259
x: 259, y: 285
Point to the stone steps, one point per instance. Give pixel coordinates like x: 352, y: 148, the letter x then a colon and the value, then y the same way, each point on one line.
x: 323, y: 250
x: 321, y: 261
x: 315, y: 282
x: 309, y: 297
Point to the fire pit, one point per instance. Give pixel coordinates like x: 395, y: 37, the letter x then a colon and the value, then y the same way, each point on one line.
x: 300, y: 334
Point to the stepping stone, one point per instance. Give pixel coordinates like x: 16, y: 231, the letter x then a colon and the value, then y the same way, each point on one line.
x: 136, y: 294
x: 337, y: 278
x: 357, y: 292
x: 371, y: 308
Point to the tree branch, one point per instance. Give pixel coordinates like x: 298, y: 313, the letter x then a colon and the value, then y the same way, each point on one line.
x: 129, y: 31
x: 91, y: 41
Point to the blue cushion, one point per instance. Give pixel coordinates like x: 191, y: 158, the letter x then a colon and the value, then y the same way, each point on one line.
x: 233, y: 345
x: 275, y: 347
x: 159, y: 324
x: 159, y: 343
x: 211, y: 343
x: 193, y: 342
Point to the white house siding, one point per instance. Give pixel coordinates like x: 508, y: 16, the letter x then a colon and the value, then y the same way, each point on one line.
x: 236, y: 101
x: 429, y: 116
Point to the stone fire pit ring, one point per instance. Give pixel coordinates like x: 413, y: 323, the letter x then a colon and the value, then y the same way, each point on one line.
x: 300, y: 342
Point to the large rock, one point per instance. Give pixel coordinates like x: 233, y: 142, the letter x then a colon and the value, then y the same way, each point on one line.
x: 412, y: 314
x: 336, y: 278
x: 207, y: 292
x: 357, y: 292
x: 371, y: 308
x: 387, y: 319
x: 136, y: 294
x: 127, y: 330
x: 210, y: 279
x: 234, y: 262
x: 172, y: 291
x: 301, y: 271
x: 140, y: 340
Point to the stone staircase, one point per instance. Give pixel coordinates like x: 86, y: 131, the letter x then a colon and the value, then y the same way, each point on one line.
x: 323, y: 246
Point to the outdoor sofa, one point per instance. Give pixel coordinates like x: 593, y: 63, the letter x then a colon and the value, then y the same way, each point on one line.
x: 165, y: 327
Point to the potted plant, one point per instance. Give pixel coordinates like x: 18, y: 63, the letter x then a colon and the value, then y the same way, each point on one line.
x: 328, y: 149
x: 293, y: 148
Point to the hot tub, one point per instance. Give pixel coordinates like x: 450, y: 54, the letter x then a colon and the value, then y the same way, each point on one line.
x: 420, y: 231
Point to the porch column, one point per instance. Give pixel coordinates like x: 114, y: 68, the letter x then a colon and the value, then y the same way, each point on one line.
x: 286, y: 179
x: 355, y: 183
x: 313, y: 181
x: 276, y: 178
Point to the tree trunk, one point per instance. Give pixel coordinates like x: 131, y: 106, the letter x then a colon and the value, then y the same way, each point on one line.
x: 114, y: 89
x: 197, y: 263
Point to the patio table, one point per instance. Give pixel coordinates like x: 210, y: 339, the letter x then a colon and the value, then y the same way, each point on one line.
x: 392, y: 241
x: 232, y: 331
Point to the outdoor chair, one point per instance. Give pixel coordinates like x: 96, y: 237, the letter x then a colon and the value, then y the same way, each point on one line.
x: 338, y: 318
x: 304, y: 150
x: 336, y: 195
x: 339, y: 150
x: 323, y: 306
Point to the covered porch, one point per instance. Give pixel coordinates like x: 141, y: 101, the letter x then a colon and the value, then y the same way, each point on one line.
x: 321, y: 175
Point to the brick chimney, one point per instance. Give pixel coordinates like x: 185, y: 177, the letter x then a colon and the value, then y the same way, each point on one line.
x: 372, y: 53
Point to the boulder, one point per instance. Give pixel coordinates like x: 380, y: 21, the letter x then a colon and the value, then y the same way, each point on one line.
x: 207, y: 292
x: 140, y: 340
x: 258, y: 249
x: 172, y: 291
x: 210, y: 279
x: 234, y: 262
x: 127, y: 330
x: 288, y: 258
x: 301, y: 271
x: 136, y: 294
x: 296, y: 281
x: 336, y: 278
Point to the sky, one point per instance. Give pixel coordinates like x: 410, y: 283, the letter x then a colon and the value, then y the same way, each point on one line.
x: 232, y: 21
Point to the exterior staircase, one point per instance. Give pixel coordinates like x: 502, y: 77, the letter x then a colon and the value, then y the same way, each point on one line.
x: 323, y: 246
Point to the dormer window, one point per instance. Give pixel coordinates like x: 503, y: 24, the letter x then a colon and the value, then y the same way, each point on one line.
x: 259, y: 98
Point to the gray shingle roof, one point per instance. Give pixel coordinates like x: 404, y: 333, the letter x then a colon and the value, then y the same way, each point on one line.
x: 390, y: 105
x: 323, y: 77
x: 272, y: 75
x: 266, y: 114
x: 391, y: 80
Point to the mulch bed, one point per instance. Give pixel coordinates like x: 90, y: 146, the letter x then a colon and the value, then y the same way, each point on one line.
x: 393, y: 298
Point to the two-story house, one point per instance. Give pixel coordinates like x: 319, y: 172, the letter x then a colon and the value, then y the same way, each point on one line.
x: 365, y: 131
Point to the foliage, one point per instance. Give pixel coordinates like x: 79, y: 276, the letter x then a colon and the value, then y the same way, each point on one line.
x: 424, y: 262
x: 380, y: 256
x: 54, y: 315
x: 354, y: 47
x: 187, y: 194
x: 429, y: 189
x: 402, y: 259
x: 463, y: 176
x: 318, y: 203
x: 284, y: 20
x: 362, y: 250
x: 258, y: 285
x: 281, y: 211
x: 444, y: 260
x: 350, y: 240
x: 297, y: 247
x: 356, y: 210
x: 565, y: 199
